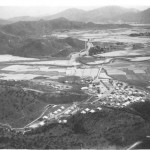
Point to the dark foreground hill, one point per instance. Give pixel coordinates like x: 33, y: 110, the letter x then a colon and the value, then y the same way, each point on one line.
x: 107, y: 129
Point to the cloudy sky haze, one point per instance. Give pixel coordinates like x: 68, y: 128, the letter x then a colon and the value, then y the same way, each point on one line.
x: 15, y: 8
x: 75, y: 3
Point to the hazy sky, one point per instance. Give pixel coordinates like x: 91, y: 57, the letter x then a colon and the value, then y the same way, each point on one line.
x: 13, y: 8
x: 75, y: 3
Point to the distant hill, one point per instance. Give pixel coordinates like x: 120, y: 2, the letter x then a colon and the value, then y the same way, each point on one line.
x: 109, y: 14
x: 23, y: 18
x: 27, y: 38
x: 135, y: 17
x: 70, y: 14
x: 100, y: 15
x: 144, y: 16
x: 47, y: 47
x: 74, y: 45
x: 3, y: 22
x: 43, y: 27
x: 32, y: 47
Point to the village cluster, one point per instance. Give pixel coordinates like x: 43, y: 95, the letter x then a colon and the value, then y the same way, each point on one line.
x: 106, y: 92
x: 123, y: 95
x: 114, y: 93
x: 60, y: 114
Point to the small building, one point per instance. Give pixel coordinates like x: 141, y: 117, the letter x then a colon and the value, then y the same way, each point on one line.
x: 34, y: 126
x: 126, y: 103
x: 64, y: 121
x: 41, y: 123
x: 59, y: 110
x: 87, y: 109
x: 92, y: 111
x: 45, y: 117
x: 99, y: 108
x: 62, y: 107
x: 84, y: 88
x: 68, y: 111
x: 83, y: 112
x: 55, y: 112
x: 59, y: 121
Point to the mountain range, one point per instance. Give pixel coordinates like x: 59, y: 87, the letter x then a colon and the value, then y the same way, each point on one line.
x: 25, y: 36
x: 107, y: 14
x: 99, y: 15
x: 46, y: 27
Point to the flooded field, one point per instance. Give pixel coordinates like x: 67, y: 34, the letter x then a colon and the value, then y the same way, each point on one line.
x: 109, y: 35
x: 125, y: 50
x: 5, y: 58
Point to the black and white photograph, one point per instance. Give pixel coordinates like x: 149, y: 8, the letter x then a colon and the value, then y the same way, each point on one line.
x: 75, y: 74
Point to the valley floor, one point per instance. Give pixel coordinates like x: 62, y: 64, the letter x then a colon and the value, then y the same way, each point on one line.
x: 97, y: 101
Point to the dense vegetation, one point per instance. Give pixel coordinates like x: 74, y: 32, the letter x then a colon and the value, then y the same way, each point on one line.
x: 104, y: 129
x: 63, y: 97
x: 32, y: 47
x: 96, y: 50
x: 108, y: 128
x: 18, y: 107
x: 142, y: 109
